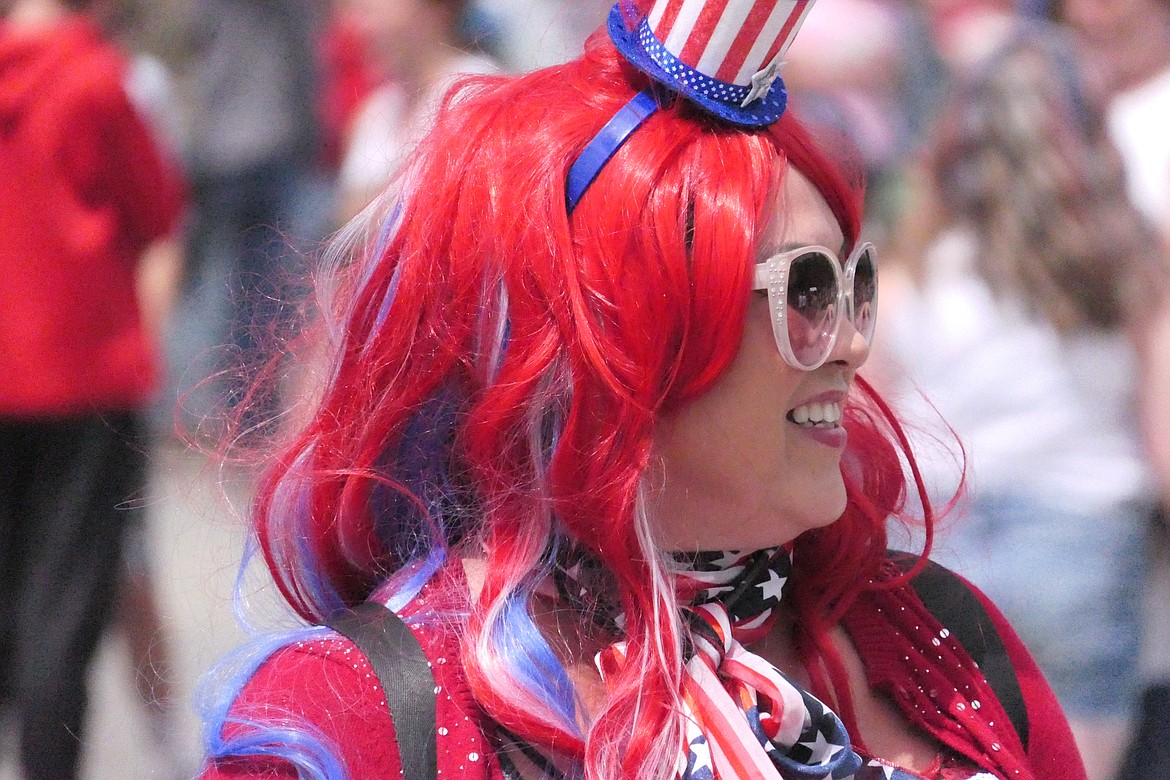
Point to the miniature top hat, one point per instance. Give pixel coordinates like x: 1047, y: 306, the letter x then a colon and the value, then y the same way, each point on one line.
x: 724, y: 55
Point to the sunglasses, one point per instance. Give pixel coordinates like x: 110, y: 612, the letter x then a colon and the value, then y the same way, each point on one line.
x: 809, y: 292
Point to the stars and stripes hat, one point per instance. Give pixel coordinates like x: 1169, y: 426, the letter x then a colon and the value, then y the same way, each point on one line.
x: 723, y: 55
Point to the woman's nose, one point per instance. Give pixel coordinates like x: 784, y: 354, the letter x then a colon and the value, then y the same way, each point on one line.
x: 851, y: 348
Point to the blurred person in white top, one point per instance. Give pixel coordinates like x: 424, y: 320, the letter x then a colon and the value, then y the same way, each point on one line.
x: 1035, y: 313
x: 419, y: 47
x: 1127, y: 46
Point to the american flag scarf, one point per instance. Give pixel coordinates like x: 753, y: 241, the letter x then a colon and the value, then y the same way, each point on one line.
x: 743, y: 717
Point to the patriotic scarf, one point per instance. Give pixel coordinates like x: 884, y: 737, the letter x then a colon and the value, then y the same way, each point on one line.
x: 743, y: 717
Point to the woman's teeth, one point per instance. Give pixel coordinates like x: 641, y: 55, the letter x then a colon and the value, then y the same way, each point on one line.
x: 815, y: 414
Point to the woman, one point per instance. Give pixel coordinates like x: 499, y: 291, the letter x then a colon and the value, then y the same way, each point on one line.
x: 601, y: 330
x: 1037, y: 329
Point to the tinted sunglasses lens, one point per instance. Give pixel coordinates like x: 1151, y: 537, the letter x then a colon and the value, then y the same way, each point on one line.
x: 812, y: 307
x: 865, y: 295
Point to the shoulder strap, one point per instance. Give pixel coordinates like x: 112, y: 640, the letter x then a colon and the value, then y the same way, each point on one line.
x: 949, y: 599
x: 407, y: 682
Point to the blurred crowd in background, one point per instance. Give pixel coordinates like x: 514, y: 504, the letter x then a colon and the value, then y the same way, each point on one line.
x: 1018, y: 167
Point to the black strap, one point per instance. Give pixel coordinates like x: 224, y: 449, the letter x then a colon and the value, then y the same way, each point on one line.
x: 407, y: 682
x: 508, y: 767
x: 548, y: 770
x: 954, y: 605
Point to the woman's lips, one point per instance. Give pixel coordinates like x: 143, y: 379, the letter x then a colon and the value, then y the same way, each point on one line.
x: 830, y: 436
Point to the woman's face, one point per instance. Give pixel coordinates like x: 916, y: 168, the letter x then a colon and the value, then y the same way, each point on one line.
x: 737, y: 471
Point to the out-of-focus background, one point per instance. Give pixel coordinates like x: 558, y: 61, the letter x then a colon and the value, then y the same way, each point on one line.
x: 1019, y: 194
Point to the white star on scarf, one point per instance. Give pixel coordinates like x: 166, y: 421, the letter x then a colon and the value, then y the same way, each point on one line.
x: 887, y: 770
x: 729, y: 559
x: 774, y: 587
x: 822, y: 746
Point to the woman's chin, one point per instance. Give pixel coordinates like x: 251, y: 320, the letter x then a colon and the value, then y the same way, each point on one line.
x: 766, y: 533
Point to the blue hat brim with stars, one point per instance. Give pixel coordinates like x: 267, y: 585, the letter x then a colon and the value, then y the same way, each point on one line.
x: 646, y: 53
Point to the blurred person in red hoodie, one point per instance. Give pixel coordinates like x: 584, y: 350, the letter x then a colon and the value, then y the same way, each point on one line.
x: 84, y: 192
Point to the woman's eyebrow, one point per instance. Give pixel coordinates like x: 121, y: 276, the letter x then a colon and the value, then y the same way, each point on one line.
x: 772, y: 251
x: 788, y: 246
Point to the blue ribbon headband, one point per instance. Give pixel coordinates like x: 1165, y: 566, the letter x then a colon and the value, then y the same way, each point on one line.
x: 605, y: 145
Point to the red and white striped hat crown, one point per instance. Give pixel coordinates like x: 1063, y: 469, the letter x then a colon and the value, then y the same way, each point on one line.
x: 723, y: 54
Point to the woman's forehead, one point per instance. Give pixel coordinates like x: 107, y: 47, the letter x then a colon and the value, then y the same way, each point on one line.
x: 799, y: 216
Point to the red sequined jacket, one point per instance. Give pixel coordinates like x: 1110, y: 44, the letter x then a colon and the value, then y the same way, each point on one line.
x: 905, y: 651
